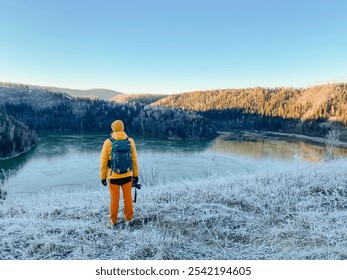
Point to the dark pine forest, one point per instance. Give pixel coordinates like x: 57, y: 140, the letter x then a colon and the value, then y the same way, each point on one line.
x: 195, y: 115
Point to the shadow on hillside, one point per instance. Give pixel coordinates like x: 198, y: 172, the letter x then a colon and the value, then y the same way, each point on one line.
x: 239, y: 119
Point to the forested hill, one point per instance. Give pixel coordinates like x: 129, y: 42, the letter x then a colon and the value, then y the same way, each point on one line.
x: 289, y: 109
x: 15, y: 137
x: 142, y: 98
x: 43, y: 109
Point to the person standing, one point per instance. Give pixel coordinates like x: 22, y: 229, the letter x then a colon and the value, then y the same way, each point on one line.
x: 123, y: 175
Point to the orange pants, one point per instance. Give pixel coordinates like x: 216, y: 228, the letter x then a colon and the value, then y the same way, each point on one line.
x: 114, y: 201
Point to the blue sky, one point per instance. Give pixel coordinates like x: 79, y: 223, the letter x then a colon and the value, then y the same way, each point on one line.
x: 159, y: 46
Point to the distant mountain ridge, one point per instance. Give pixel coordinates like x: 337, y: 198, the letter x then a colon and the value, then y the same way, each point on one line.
x: 105, y: 94
x: 139, y: 97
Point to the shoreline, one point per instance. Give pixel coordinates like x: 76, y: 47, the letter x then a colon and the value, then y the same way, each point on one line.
x: 240, y: 135
x: 17, y: 155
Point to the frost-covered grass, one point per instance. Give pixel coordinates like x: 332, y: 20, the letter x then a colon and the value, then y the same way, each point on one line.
x: 299, y: 213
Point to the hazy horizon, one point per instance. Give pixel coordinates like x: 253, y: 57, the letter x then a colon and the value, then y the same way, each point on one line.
x: 324, y: 83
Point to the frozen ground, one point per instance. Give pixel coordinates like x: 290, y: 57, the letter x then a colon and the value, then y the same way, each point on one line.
x: 299, y: 213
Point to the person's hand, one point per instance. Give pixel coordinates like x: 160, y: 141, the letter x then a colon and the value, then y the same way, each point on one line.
x: 104, y: 182
x: 135, y: 180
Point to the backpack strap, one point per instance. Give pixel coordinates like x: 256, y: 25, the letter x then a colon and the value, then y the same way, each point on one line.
x: 113, y: 141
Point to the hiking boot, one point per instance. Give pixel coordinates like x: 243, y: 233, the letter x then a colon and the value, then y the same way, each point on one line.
x: 111, y: 225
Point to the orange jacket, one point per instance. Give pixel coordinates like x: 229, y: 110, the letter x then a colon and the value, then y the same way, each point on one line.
x: 105, y: 171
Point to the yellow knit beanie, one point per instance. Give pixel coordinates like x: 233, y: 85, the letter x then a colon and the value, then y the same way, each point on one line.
x: 117, y: 125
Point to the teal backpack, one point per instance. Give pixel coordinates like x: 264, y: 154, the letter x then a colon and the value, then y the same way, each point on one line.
x: 121, y: 160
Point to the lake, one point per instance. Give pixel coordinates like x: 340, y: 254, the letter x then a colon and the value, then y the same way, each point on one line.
x: 72, y: 159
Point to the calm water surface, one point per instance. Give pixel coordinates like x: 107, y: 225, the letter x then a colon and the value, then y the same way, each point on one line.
x: 72, y: 159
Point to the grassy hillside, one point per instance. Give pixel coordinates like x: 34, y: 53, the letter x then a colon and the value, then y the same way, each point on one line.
x: 293, y: 214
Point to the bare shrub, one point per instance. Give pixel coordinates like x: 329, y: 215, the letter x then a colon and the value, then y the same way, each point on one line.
x: 332, y: 140
x: 150, y: 177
